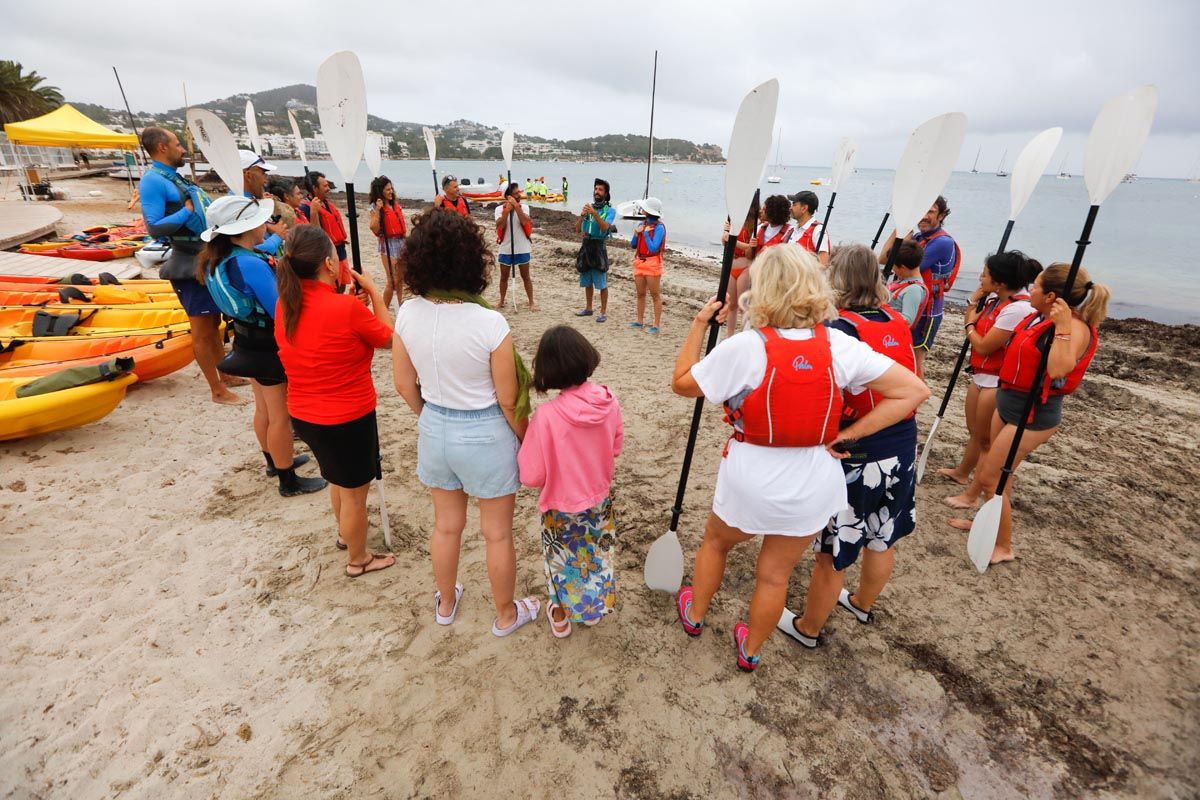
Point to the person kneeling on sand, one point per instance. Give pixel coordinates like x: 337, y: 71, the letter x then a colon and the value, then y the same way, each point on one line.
x: 780, y: 478
x: 596, y: 224
x: 649, y: 241
x: 569, y: 452
x: 454, y: 364
x: 880, y: 470
x: 326, y: 343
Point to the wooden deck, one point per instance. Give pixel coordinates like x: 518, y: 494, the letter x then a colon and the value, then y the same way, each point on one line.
x: 24, y: 264
x: 21, y: 222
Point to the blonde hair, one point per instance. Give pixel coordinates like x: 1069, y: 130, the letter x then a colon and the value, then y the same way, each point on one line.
x: 855, y: 277
x: 1089, y: 299
x: 788, y: 289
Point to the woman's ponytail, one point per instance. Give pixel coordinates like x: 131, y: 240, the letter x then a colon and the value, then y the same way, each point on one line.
x: 304, y: 251
x: 1089, y: 300
x: 1095, y: 307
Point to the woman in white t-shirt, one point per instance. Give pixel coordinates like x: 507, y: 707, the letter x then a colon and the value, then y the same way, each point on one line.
x: 996, y: 308
x: 782, y: 380
x: 454, y: 364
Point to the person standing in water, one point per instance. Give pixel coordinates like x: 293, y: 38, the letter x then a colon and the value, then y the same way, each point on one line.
x: 596, y: 223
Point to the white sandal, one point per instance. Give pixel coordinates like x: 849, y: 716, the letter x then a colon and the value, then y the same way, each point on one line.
x: 557, y: 628
x: 437, y: 603
x: 527, y: 611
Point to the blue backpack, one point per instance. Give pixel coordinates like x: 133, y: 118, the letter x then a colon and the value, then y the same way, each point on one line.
x: 233, y: 301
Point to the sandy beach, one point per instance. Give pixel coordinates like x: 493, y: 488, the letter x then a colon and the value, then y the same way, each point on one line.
x: 174, y: 628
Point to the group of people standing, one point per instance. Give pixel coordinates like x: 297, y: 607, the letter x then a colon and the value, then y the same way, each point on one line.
x: 820, y: 389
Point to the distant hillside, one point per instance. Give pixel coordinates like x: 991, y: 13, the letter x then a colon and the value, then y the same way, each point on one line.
x: 459, y: 139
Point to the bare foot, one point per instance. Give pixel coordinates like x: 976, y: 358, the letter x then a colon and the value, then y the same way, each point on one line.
x: 377, y: 562
x: 534, y: 307
x: 227, y: 398
x: 947, y: 472
x: 960, y: 523
x: 963, y: 501
x: 232, y: 380
x: 1000, y: 556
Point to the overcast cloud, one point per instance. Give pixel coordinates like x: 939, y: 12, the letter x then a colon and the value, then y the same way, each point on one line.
x: 868, y: 70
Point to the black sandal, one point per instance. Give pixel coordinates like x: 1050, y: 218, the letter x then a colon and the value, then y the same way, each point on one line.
x: 362, y: 568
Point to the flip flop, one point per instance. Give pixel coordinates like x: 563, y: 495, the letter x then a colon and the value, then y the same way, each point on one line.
x: 339, y: 544
x: 865, y: 617
x: 437, y: 603
x: 363, y: 568
x: 560, y: 630
x: 527, y: 611
x: 787, y: 624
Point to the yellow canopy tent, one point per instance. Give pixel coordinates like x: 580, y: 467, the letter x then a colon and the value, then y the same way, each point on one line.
x: 67, y: 127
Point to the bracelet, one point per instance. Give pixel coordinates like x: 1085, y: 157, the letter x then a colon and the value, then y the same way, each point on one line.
x: 970, y: 325
x: 1066, y: 337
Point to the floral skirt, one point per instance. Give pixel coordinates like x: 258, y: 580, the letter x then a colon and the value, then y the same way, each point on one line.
x: 580, y: 549
x: 881, y: 510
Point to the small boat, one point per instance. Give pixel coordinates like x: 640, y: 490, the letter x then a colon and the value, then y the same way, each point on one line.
x: 1130, y: 177
x: 20, y: 295
x: 152, y: 255
x: 106, y: 251
x: 774, y: 178
x: 1000, y: 173
x: 57, y: 411
x: 819, y: 181
x: 975, y: 166
x: 1063, y: 175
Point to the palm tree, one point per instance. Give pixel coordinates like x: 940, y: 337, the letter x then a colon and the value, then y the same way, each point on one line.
x: 20, y: 95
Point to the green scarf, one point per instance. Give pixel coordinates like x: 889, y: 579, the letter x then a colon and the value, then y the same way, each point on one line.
x: 524, y: 379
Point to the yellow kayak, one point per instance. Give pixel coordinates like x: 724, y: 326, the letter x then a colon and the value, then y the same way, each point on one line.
x: 133, y: 316
x: 22, y: 332
x: 56, y: 411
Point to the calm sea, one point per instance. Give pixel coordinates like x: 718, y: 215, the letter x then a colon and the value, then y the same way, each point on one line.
x: 1139, y: 244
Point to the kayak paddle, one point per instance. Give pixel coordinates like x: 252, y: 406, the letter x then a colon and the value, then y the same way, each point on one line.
x: 924, y: 169
x: 882, y: 225
x: 431, y: 146
x: 1025, y: 176
x: 218, y: 146
x: 1113, y: 147
x: 342, y: 108
x: 507, y: 141
x: 749, y: 146
x: 252, y: 129
x: 299, y: 140
x: 843, y: 162
x: 373, y: 154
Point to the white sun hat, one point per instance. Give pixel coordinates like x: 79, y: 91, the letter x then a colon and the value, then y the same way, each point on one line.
x: 249, y: 159
x: 232, y: 215
x: 651, y: 206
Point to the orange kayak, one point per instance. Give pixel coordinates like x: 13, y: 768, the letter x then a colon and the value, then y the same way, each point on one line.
x: 44, y: 282
x: 112, y: 317
x: 16, y: 294
x: 154, y: 355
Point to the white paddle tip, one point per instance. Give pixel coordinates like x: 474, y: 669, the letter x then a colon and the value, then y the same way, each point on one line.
x: 981, y: 542
x: 664, y: 564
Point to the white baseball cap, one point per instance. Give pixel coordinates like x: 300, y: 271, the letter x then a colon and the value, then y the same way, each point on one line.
x: 232, y: 215
x: 651, y: 206
x: 252, y: 159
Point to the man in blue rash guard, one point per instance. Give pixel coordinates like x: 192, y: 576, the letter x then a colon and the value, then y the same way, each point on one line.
x: 173, y: 208
x: 254, y: 184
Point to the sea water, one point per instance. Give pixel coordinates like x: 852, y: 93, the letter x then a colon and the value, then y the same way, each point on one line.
x: 1139, y: 245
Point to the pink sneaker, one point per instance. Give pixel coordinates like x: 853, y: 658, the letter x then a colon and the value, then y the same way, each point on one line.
x: 683, y: 604
x: 745, y: 663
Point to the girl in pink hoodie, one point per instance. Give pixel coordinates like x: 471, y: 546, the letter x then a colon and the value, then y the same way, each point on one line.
x: 569, y: 452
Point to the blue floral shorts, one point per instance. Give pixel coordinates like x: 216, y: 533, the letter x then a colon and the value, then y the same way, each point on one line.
x: 580, y: 549
x: 882, y: 509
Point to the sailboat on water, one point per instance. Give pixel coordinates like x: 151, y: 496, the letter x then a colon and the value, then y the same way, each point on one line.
x: 774, y: 177
x: 1000, y: 171
x: 630, y: 209
x: 1063, y: 175
x: 975, y: 166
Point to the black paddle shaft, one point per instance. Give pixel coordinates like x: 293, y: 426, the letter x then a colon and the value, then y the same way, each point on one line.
x: 879, y: 233
x: 825, y: 224
x: 891, y: 259
x: 512, y: 234
x: 713, y: 331
x: 437, y: 189
x: 1047, y: 341
x: 355, y: 259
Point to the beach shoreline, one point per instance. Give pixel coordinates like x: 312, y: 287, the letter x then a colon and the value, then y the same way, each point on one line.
x: 175, y: 629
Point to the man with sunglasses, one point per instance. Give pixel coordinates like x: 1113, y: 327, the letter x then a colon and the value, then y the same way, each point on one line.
x: 450, y: 199
x: 254, y: 185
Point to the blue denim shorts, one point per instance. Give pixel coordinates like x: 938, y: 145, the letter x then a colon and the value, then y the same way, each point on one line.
x: 475, y: 451
x: 593, y: 278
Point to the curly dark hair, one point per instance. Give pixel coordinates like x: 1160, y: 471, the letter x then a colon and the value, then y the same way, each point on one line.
x: 778, y: 209
x: 377, y: 187
x: 446, y: 251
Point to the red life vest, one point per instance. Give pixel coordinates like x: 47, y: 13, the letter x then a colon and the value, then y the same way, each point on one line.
x: 331, y: 220
x: 1023, y: 354
x: 782, y: 237
x: 938, y: 287
x: 808, y: 240
x: 798, y: 403
x: 991, y: 363
x: 301, y: 219
x: 459, y: 205
x: 394, y: 225
x: 891, y: 338
x: 643, y: 247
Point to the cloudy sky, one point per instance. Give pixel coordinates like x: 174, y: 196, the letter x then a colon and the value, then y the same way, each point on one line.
x: 869, y: 70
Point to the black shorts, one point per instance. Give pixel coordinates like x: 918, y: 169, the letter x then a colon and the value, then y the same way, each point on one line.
x: 194, y: 298
x: 1010, y: 404
x: 255, y: 355
x: 347, y: 453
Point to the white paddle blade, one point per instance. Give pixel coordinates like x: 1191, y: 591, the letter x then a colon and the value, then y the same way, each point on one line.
x: 843, y: 162
x: 383, y: 516
x: 664, y: 563
x: 220, y: 149
x: 252, y: 129
x: 924, y: 459
x: 297, y: 137
x: 925, y: 167
x: 749, y: 146
x: 507, y: 141
x: 431, y: 146
x: 1030, y: 166
x: 373, y: 153
x: 1116, y: 140
x: 981, y: 542
x: 342, y: 108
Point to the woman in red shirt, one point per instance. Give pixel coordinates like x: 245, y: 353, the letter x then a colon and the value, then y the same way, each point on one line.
x: 326, y: 343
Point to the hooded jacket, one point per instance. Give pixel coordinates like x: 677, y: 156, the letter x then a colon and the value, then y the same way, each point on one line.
x: 571, y: 447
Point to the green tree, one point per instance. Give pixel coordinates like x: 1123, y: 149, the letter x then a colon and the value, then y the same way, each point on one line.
x: 22, y: 96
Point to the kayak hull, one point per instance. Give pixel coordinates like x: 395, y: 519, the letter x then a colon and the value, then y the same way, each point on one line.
x: 15, y: 319
x: 154, y: 356
x: 21, y: 417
